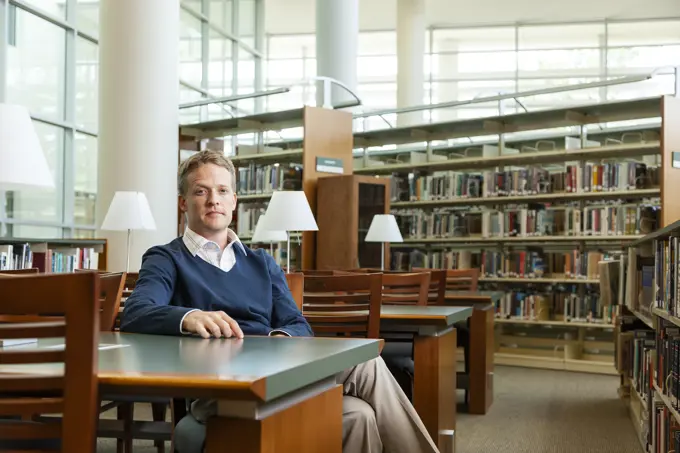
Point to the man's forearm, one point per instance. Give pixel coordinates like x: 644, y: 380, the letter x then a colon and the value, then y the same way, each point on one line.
x: 141, y: 317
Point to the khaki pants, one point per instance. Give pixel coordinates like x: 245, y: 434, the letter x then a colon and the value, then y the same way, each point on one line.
x: 376, y: 415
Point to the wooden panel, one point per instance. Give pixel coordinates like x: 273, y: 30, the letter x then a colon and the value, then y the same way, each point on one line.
x: 328, y: 133
x: 298, y: 429
x: 481, y: 359
x: 670, y: 177
x: 434, y: 383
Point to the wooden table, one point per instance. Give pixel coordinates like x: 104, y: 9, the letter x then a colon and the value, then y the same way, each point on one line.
x: 271, y: 390
x: 480, y: 378
x: 434, y: 356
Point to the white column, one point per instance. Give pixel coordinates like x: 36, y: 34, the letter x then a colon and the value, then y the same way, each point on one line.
x: 337, y: 38
x: 138, y: 117
x: 448, y: 91
x: 410, y: 58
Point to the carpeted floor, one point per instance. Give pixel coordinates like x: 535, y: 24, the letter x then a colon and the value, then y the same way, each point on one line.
x: 535, y: 411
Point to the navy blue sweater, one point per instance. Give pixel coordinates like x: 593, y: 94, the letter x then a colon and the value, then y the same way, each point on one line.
x: 172, y: 282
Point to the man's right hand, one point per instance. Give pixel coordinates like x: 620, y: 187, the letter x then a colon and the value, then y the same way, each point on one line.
x: 211, y: 323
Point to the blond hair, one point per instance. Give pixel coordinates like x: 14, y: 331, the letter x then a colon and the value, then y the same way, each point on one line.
x: 201, y: 158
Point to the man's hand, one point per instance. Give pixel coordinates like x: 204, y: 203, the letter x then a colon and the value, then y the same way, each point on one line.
x: 211, y: 323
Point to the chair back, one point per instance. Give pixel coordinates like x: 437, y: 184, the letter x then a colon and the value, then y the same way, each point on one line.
x: 296, y: 286
x: 437, y: 293
x: 30, y: 270
x: 462, y: 279
x: 343, y: 304
x: 72, y: 392
x: 406, y: 288
x: 112, y: 285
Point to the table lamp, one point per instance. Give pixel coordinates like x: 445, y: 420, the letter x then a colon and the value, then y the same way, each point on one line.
x: 128, y: 211
x: 383, y: 229
x: 22, y: 161
x: 268, y: 236
x: 288, y: 211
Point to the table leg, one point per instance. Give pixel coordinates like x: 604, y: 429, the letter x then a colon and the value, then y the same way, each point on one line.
x: 313, y: 425
x: 434, y: 383
x: 480, y: 380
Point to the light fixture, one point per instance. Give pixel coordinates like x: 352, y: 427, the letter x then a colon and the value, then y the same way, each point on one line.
x: 383, y: 229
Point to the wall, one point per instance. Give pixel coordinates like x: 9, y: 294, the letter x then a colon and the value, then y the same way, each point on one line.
x: 297, y: 16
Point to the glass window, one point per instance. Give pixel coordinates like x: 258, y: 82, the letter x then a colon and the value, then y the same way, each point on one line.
x: 246, y: 81
x: 190, y: 49
x: 659, y: 32
x: 659, y: 85
x: 88, y: 16
x: 649, y: 58
x: 473, y: 39
x: 292, y: 46
x: 87, y: 80
x: 377, y: 68
x: 83, y: 234
x: 571, y: 36
x: 486, y: 62
x: 34, y: 232
x: 41, y: 204
x: 246, y: 19
x: 378, y: 43
x: 221, y: 13
x: 85, y: 186
x: 563, y: 98
x: 35, y: 66
x: 220, y: 66
x: 573, y: 60
x: 53, y: 7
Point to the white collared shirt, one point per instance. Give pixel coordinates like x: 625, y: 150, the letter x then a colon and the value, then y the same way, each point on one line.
x: 211, y: 252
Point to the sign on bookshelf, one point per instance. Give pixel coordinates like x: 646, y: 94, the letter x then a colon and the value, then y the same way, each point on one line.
x: 329, y: 165
x: 676, y: 159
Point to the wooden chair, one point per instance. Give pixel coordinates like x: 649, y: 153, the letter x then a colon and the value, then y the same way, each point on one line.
x: 296, y: 285
x: 437, y: 293
x: 343, y: 305
x: 114, y: 286
x: 73, y: 394
x: 462, y: 279
x: 406, y: 289
x: 30, y: 271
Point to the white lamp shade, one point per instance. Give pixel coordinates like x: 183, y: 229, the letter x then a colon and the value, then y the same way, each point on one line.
x: 384, y: 228
x: 22, y: 161
x: 289, y: 210
x: 263, y: 235
x: 129, y: 211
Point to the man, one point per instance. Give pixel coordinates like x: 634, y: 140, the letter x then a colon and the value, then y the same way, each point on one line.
x: 208, y: 283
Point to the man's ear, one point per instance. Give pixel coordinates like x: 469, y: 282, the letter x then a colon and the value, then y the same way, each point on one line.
x: 182, y: 203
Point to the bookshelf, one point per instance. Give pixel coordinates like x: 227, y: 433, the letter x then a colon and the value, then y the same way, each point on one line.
x: 53, y: 255
x: 652, y: 300
x: 535, y: 200
x: 263, y: 168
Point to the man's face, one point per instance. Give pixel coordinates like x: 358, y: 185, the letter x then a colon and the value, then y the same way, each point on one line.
x: 209, y: 201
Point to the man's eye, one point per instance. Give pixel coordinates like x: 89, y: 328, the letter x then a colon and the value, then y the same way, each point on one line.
x: 224, y: 191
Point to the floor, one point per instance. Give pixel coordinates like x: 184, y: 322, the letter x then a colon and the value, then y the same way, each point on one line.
x: 535, y: 411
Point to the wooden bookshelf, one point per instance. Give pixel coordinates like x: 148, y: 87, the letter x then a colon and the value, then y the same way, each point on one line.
x: 588, y: 325
x: 327, y: 133
x: 43, y: 248
x: 472, y: 240
x: 549, y: 281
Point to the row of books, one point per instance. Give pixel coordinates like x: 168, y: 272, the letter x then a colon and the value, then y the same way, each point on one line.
x: 524, y: 222
x: 247, y: 216
x: 437, y: 259
x: 554, y: 306
x: 667, y: 432
x: 666, y: 376
x: 259, y: 179
x: 665, y: 275
x: 531, y: 264
x: 46, y: 259
x: 591, y: 177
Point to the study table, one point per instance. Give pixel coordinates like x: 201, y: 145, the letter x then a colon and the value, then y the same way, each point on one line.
x: 434, y: 356
x: 271, y: 390
x: 480, y: 376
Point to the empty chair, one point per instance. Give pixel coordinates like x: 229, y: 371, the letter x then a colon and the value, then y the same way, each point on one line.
x: 343, y: 305
x: 71, y: 390
x: 405, y: 288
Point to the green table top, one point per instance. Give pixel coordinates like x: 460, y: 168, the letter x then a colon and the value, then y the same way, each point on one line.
x: 432, y: 315
x: 260, y: 368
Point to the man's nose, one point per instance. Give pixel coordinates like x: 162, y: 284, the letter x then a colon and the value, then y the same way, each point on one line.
x: 213, y: 198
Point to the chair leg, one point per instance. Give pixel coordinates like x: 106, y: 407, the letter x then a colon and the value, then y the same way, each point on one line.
x: 158, y: 412
x: 126, y: 413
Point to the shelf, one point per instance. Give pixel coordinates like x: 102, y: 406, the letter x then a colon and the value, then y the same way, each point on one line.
x: 554, y: 363
x: 664, y: 314
x: 529, y: 239
x: 60, y: 242
x: 254, y: 197
x: 592, y: 325
x: 644, y: 318
x: 663, y: 233
x: 268, y: 158
x: 537, y: 198
x: 527, y: 158
x: 667, y: 402
x: 569, y: 281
